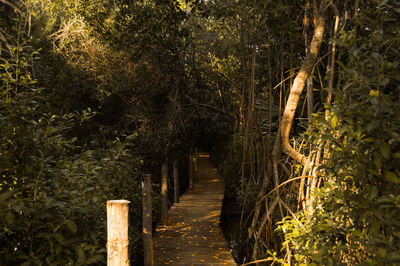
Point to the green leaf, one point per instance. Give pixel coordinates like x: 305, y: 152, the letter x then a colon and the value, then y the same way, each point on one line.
x: 373, y: 193
x: 385, y: 150
x: 334, y: 121
x: 10, y: 217
x: 378, y: 162
x: 59, y: 238
x: 71, y: 225
x: 6, y: 195
x: 391, y: 177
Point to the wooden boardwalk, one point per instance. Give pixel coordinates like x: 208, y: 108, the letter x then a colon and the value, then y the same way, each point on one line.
x: 193, y: 235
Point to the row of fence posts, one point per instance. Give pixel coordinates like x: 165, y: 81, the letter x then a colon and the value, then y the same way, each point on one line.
x: 118, y: 214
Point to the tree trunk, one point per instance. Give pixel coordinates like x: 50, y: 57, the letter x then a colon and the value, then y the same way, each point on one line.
x: 298, y: 85
x: 333, y: 50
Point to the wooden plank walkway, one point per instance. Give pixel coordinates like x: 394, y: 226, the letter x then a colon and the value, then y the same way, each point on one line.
x: 193, y: 235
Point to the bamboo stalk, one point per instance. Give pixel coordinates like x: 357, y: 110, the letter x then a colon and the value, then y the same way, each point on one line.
x: 117, y: 232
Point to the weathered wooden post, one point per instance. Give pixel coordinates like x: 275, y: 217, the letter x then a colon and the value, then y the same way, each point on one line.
x: 164, y: 193
x: 194, y: 158
x: 147, y: 221
x: 191, y: 172
x: 117, y: 233
x: 176, y: 182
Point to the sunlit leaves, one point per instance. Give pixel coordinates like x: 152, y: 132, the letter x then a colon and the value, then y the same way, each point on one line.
x: 334, y: 121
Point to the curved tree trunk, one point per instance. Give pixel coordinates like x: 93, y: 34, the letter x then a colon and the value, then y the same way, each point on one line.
x: 298, y: 86
x: 282, y: 138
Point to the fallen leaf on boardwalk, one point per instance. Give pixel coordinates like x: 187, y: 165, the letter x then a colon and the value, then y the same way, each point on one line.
x: 202, y: 261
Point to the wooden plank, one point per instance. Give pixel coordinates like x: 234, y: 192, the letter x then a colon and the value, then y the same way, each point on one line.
x: 192, y: 234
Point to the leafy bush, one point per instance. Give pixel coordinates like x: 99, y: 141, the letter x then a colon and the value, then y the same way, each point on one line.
x: 53, y: 192
x: 355, y: 213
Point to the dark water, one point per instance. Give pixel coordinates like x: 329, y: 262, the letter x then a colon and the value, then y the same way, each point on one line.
x: 235, y: 234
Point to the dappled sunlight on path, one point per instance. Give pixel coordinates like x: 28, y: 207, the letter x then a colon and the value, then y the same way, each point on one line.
x: 193, y: 235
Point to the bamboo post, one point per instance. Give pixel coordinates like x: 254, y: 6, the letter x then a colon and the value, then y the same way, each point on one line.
x: 164, y: 193
x: 147, y: 221
x: 176, y: 181
x: 117, y: 233
x: 191, y: 172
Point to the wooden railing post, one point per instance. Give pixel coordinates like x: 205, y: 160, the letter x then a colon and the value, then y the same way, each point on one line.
x: 147, y: 221
x: 164, y: 193
x: 176, y: 181
x: 196, y: 151
x: 191, y: 172
x: 117, y: 233
x: 195, y: 163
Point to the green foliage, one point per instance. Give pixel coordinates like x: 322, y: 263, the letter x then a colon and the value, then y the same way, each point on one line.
x: 230, y: 166
x: 94, y: 91
x: 52, y: 190
x: 91, y: 93
x: 354, y: 219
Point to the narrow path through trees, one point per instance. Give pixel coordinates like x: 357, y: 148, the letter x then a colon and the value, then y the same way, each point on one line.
x: 192, y: 235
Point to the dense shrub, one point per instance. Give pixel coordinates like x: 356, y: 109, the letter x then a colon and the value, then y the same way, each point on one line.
x: 53, y: 191
x: 355, y: 214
